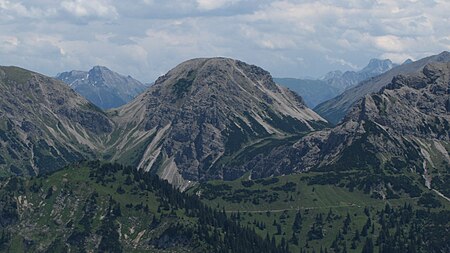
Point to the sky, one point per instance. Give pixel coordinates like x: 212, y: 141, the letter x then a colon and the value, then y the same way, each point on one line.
x: 146, y: 38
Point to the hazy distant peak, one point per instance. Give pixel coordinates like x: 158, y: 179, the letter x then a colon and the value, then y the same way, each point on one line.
x: 408, y: 61
x: 378, y: 66
x: 102, y: 86
x: 444, y: 56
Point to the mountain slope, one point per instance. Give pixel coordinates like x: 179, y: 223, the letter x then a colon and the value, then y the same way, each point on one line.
x: 44, y: 124
x: 94, y: 207
x: 201, y: 112
x: 325, y: 211
x: 103, y: 87
x: 312, y: 91
x: 335, y: 109
x: 403, y: 130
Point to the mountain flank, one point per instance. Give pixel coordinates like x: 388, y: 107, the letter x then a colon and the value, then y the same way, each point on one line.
x: 336, y: 108
x: 44, y: 124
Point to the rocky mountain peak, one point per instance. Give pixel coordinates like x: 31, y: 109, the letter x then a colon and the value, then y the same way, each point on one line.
x: 407, y: 61
x: 378, y: 66
x: 205, y: 110
x: 102, y: 86
x: 443, y: 56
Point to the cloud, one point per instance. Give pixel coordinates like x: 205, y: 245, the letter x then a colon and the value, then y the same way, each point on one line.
x: 90, y: 9
x: 146, y: 38
x: 214, y: 4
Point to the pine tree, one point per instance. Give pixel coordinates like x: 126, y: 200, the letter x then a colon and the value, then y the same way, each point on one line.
x: 368, y: 246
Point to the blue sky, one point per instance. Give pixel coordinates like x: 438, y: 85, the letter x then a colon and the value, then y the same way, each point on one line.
x: 146, y: 38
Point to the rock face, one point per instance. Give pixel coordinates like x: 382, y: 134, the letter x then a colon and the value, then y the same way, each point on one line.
x: 335, y: 109
x: 103, y: 87
x: 402, y: 128
x: 44, y: 124
x: 333, y: 83
x: 202, y: 112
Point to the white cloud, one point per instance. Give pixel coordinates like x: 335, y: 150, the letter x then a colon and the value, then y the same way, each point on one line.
x: 11, y: 10
x: 214, y: 4
x: 145, y: 38
x: 90, y: 8
x: 8, y: 43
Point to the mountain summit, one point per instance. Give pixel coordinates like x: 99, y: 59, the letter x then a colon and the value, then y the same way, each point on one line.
x: 202, y: 112
x: 103, y: 87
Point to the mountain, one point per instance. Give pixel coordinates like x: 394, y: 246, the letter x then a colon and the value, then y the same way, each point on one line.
x: 333, y: 83
x: 398, y: 137
x: 94, y: 207
x: 45, y: 125
x: 312, y: 91
x: 336, y: 108
x: 197, y: 116
x: 348, y: 79
x: 103, y: 87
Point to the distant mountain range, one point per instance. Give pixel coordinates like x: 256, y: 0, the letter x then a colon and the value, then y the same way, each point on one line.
x: 316, y: 91
x: 336, y: 108
x: 103, y: 87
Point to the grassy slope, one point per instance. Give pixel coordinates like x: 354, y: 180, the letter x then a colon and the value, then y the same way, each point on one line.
x: 256, y: 205
x: 44, y: 217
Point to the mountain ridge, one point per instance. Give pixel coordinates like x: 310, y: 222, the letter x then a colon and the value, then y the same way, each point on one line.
x: 402, y: 129
x: 316, y: 91
x: 335, y: 109
x: 102, y: 86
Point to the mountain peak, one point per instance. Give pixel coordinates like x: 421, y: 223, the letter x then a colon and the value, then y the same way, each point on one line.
x: 102, y: 86
x: 99, y: 68
x: 378, y: 66
x: 443, y: 56
x: 407, y: 61
x: 206, y: 110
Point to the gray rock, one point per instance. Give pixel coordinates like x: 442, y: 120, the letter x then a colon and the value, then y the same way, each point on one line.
x: 103, y: 87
